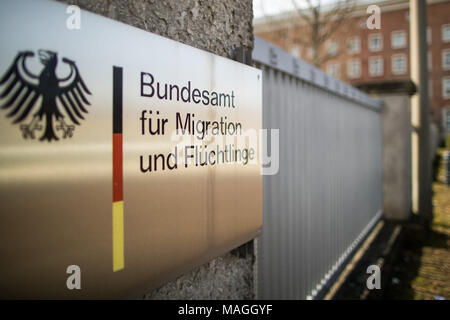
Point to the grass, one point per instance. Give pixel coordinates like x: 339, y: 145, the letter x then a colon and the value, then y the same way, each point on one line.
x: 422, y: 270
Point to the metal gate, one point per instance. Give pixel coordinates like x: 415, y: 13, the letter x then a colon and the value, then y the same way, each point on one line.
x: 327, y: 193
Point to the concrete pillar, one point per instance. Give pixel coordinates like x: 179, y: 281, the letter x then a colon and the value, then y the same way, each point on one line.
x: 397, y: 130
x: 420, y: 117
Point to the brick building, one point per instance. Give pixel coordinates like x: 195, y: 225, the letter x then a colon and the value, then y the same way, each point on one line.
x: 358, y: 55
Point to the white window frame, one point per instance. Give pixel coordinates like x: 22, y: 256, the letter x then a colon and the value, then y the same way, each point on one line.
x: 444, y: 53
x: 405, y: 43
x: 429, y: 35
x: 373, y: 35
x: 446, y: 119
x: 349, y: 64
x: 358, y: 41
x: 309, y: 53
x: 333, y: 66
x: 443, y: 27
x: 296, y: 51
x: 405, y: 58
x: 332, y: 47
x: 381, y: 72
x: 445, y: 95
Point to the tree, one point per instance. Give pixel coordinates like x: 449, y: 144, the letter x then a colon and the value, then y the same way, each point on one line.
x: 316, y: 24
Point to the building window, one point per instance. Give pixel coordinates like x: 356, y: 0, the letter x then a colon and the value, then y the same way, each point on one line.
x: 446, y: 59
x: 354, y: 45
x: 430, y: 61
x: 334, y: 69
x: 446, y: 33
x: 399, y: 64
x: 398, y: 39
x: 363, y: 24
x: 375, y: 42
x: 446, y: 88
x: 430, y: 88
x: 354, y: 68
x: 332, y: 47
x: 296, y: 51
x: 446, y: 119
x: 429, y: 35
x: 309, y: 53
x: 376, y: 66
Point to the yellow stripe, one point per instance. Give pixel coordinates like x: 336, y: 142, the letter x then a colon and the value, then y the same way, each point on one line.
x: 118, y: 238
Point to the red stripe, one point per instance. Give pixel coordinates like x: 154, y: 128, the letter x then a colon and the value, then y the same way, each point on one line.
x: 117, y: 167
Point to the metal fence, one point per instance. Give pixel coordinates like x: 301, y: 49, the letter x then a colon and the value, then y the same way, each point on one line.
x: 327, y: 194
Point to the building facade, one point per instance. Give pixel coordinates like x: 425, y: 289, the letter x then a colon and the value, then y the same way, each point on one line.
x: 359, y: 55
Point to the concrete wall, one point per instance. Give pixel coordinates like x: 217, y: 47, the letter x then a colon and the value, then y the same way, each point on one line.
x: 219, y: 27
x: 215, y: 26
x: 226, y: 277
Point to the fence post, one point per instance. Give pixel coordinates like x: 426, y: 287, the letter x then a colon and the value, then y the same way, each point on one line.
x: 397, y: 131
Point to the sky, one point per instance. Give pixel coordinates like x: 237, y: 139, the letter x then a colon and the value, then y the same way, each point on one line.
x: 269, y: 7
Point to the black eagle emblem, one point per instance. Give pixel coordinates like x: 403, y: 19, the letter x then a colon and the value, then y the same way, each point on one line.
x: 49, y: 97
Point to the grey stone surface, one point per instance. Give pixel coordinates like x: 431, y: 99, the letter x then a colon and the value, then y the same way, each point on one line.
x: 219, y: 27
x: 397, y: 129
x: 397, y: 156
x: 226, y: 277
x: 215, y: 26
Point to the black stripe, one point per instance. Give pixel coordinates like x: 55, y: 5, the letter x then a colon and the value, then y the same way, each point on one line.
x: 117, y: 99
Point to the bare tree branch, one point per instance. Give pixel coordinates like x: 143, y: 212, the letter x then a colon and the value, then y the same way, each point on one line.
x: 318, y: 24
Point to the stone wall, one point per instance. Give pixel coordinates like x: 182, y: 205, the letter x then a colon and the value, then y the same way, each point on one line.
x: 219, y: 27
x: 226, y: 277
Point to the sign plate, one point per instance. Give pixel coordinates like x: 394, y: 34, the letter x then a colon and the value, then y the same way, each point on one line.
x: 124, y: 155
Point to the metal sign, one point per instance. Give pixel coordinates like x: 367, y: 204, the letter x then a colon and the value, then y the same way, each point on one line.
x: 126, y: 158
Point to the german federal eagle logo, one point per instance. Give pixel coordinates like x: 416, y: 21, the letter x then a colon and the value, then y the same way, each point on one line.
x: 40, y: 103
